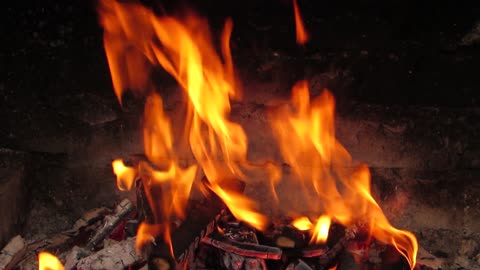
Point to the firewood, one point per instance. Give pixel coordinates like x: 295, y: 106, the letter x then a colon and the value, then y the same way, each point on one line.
x: 115, y: 256
x: 243, y: 249
x: 332, y: 253
x: 200, y: 221
x: 12, y: 252
x: 123, y: 209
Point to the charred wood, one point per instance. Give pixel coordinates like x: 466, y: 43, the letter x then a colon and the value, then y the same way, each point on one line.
x: 244, y: 249
x: 12, y: 252
x: 200, y: 221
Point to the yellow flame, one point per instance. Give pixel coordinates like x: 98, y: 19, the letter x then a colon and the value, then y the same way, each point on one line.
x: 47, y: 261
x: 302, y: 223
x: 320, y: 233
x: 125, y: 175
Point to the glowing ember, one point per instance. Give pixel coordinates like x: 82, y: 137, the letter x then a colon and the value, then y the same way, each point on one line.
x: 336, y: 188
x: 302, y: 36
x: 47, y: 261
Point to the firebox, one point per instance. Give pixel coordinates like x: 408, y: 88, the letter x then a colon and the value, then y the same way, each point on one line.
x: 275, y: 135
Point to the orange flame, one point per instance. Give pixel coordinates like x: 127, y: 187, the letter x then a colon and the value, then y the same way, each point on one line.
x: 47, y: 261
x: 306, y: 136
x: 136, y: 40
x: 147, y: 233
x: 302, y: 35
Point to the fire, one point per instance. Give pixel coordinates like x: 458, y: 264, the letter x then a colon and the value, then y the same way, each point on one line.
x: 125, y: 175
x: 148, y: 232
x: 319, y: 231
x: 302, y: 223
x: 47, y: 261
x: 305, y: 133
x: 302, y: 35
x: 137, y: 41
x: 320, y: 234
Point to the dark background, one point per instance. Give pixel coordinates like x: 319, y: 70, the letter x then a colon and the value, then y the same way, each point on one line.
x: 397, y: 52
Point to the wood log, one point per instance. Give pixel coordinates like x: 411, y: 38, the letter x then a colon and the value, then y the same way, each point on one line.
x: 244, y: 249
x: 201, y: 220
x: 116, y: 256
x: 123, y: 209
x: 12, y: 252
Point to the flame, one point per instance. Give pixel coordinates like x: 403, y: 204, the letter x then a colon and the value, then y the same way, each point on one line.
x: 47, y: 261
x: 305, y: 133
x: 302, y: 35
x: 302, y: 223
x: 136, y: 41
x: 147, y: 233
x: 320, y: 233
x: 125, y: 175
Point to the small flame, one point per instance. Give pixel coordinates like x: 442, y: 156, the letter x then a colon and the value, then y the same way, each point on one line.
x: 47, y: 261
x: 320, y: 233
x: 125, y: 175
x: 302, y: 223
x: 302, y: 35
x: 147, y: 233
x: 241, y: 208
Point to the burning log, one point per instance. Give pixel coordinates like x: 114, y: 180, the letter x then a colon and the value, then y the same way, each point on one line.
x: 243, y: 249
x: 200, y: 222
x: 111, y: 222
x: 239, y: 246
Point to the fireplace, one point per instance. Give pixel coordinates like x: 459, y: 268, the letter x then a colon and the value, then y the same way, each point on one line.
x: 322, y: 136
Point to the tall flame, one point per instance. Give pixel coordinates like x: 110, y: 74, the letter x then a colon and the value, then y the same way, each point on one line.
x: 302, y: 35
x: 136, y: 41
x: 306, y: 135
x: 47, y: 261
